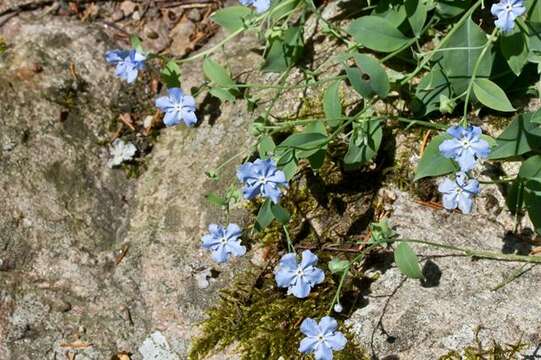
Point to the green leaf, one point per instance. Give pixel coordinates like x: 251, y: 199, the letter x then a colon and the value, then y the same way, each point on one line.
x: 305, y: 143
x: 531, y: 168
x: 265, y: 147
x: 231, y: 17
x: 534, y: 10
x: 416, y: 11
x: 448, y: 9
x: 364, y: 143
x: 377, y: 34
x: 515, y: 50
x: 430, y: 88
x: 136, y: 43
x: 284, y: 51
x: 316, y: 159
x: 532, y: 199
x: 459, y: 64
x: 369, y: 77
x: 337, y: 266
x: 280, y: 214
x: 289, y: 164
x: 520, y: 137
x: 491, y: 95
x: 217, y: 74
x: 223, y: 94
x: 515, y: 196
x: 215, y: 199
x: 407, y: 262
x: 433, y: 163
x: 332, y: 105
x: 170, y: 74
x: 393, y: 11
x: 264, y: 216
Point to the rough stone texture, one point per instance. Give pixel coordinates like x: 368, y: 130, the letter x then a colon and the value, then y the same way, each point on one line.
x: 66, y: 215
x: 427, y: 320
x: 62, y: 210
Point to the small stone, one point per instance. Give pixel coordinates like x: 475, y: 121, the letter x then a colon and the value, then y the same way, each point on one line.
x: 117, y: 15
x: 194, y: 15
x: 202, y: 278
x: 147, y: 122
x: 156, y: 347
x: 136, y: 16
x: 128, y: 7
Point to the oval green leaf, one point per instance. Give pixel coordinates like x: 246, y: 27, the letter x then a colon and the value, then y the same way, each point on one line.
x: 377, y: 33
x: 491, y: 95
x: 406, y: 259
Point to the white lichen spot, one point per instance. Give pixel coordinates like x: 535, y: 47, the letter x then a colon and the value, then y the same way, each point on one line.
x: 120, y: 152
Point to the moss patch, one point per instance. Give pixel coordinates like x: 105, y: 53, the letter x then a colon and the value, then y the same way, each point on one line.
x: 263, y: 322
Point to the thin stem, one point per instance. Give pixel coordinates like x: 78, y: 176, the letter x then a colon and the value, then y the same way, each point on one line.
x: 479, y: 253
x: 464, y: 120
x: 290, y: 246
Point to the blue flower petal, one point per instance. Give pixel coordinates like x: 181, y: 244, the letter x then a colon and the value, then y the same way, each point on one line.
x: 235, y: 248
x: 261, y: 5
x: 308, y: 259
x: 284, y: 277
x: 300, y: 289
x: 233, y: 232
x: 323, y: 352
x: 336, y: 341
x: 176, y: 95
x: 308, y: 344
x: 328, y: 324
x: 289, y: 261
x: 209, y: 241
x: 465, y: 203
x: 466, y: 160
x: 220, y: 255
x: 271, y: 191
x: 189, y: 117
x: 171, y: 118
x: 450, y: 148
x: 447, y: 186
x: 450, y: 201
x: 314, y: 275
x: 310, y: 327
x: 164, y: 103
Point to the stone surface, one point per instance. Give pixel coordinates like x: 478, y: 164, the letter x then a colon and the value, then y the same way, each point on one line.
x: 66, y: 215
x: 425, y: 320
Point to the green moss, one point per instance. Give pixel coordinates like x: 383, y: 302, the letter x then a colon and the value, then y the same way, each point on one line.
x: 3, y: 46
x: 258, y: 318
x: 263, y: 322
x: 496, y: 352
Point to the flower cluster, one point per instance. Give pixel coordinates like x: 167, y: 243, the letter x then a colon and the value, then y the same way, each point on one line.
x: 321, y: 339
x: 223, y: 242
x: 507, y: 11
x: 128, y: 63
x: 121, y: 151
x: 466, y: 148
x: 298, y: 278
x: 262, y: 178
x: 177, y: 106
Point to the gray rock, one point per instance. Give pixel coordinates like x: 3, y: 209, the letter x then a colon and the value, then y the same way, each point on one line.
x: 425, y: 320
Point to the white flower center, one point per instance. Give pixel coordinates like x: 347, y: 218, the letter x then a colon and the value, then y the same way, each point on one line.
x: 509, y: 7
x: 223, y: 241
x: 262, y: 180
x: 320, y: 338
x: 459, y: 190
x: 466, y: 144
x: 299, y: 272
x: 177, y: 107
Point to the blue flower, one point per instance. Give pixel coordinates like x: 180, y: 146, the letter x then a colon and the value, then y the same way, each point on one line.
x: 262, y: 177
x: 260, y: 5
x: 507, y: 12
x: 223, y: 242
x: 321, y: 339
x: 177, y: 107
x: 298, y: 278
x: 128, y: 63
x: 465, y: 147
x: 459, y: 192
